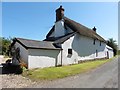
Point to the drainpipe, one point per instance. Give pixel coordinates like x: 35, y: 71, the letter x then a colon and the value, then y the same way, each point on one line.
x: 61, y: 56
x: 56, y: 62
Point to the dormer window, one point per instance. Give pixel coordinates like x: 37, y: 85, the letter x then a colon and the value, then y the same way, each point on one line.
x: 94, y: 42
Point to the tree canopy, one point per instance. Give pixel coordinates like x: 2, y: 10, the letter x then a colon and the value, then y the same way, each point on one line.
x: 4, y: 45
x: 112, y: 43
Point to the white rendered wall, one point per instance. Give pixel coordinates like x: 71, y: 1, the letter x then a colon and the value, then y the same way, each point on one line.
x: 82, y: 49
x: 59, y: 29
x: 40, y: 58
x: 110, y: 51
x: 87, y: 50
x: 23, y: 52
x: 67, y: 59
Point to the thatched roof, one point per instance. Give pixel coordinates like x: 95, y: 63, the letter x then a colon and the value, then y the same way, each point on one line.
x: 79, y: 28
x: 82, y: 30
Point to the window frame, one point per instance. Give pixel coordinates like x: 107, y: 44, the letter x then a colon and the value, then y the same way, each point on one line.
x: 69, y: 51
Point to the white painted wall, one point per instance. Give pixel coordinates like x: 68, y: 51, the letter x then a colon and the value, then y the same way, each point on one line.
x: 59, y: 29
x: 110, y: 51
x: 40, y: 58
x: 66, y: 59
x: 23, y: 52
x: 82, y: 49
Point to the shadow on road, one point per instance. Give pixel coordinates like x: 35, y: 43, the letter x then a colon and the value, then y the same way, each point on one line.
x: 6, y: 68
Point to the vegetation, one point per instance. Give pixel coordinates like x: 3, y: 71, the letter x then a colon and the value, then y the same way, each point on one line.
x: 112, y: 44
x: 61, y: 72
x: 118, y: 53
x: 4, y: 45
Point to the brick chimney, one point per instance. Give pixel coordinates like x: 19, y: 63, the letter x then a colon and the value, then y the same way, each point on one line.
x: 94, y: 29
x: 59, y: 13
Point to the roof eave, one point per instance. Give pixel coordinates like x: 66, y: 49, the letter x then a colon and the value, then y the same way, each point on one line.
x: 45, y: 48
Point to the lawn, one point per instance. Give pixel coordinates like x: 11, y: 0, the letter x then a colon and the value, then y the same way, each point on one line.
x: 64, y: 71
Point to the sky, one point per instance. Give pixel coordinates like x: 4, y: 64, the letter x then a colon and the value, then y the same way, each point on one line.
x: 119, y: 25
x: 33, y: 20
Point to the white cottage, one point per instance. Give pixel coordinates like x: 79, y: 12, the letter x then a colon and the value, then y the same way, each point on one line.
x: 68, y: 42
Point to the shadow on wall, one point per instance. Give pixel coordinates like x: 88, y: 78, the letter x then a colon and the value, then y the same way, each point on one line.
x: 47, y: 53
x: 84, y: 47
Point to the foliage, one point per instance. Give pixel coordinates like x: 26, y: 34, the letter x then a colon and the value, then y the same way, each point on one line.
x: 61, y: 72
x: 23, y: 64
x: 112, y: 44
x: 118, y: 52
x: 4, y: 45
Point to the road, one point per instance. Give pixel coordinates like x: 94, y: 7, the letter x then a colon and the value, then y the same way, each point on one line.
x: 105, y: 76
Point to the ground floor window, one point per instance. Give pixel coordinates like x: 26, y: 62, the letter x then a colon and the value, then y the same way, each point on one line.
x: 70, y: 51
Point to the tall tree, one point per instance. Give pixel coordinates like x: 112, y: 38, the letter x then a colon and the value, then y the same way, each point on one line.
x: 112, y: 43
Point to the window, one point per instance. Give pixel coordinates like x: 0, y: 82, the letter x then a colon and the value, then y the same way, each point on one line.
x: 96, y: 53
x: 100, y: 43
x: 69, y: 51
x: 94, y: 42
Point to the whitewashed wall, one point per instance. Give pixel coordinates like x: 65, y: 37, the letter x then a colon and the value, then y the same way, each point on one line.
x: 110, y: 51
x: 59, y: 58
x: 23, y: 52
x: 65, y: 57
x: 40, y: 58
x: 87, y: 50
x: 59, y: 29
x: 82, y: 49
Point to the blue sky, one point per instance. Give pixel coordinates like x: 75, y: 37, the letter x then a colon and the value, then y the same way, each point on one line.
x: 34, y: 20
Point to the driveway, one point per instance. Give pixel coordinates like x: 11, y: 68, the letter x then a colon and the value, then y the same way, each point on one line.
x: 10, y: 80
x: 105, y: 76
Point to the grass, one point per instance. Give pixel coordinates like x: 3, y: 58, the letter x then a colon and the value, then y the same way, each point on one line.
x: 64, y: 71
x: 118, y: 52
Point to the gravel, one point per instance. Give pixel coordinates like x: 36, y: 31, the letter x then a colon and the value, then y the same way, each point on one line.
x: 15, y: 81
x: 12, y: 80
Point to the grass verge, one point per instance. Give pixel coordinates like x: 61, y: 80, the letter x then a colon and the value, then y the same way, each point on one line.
x: 64, y: 71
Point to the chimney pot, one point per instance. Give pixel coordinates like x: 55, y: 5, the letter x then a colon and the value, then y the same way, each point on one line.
x: 94, y: 29
x: 59, y: 13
